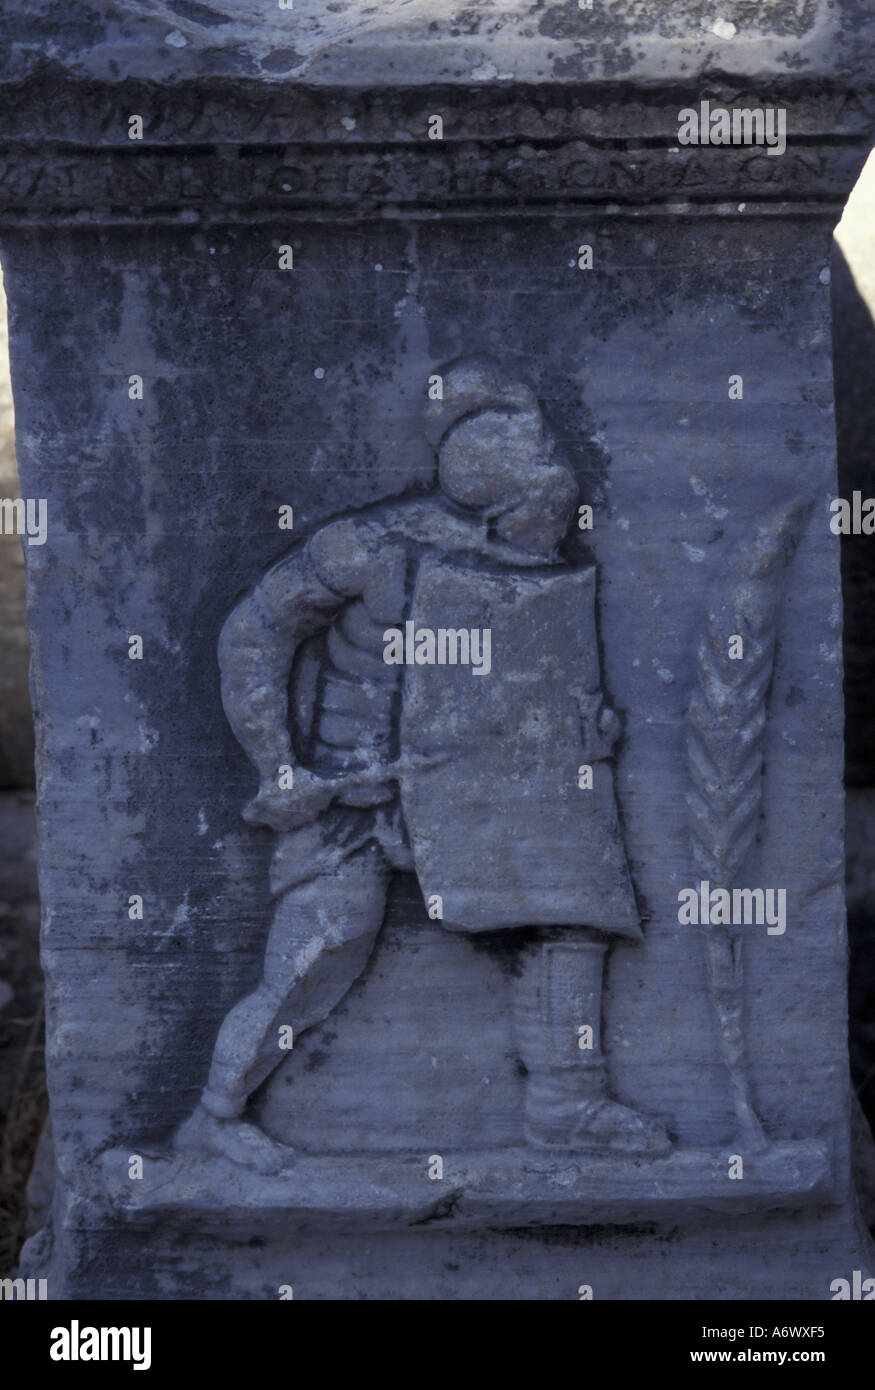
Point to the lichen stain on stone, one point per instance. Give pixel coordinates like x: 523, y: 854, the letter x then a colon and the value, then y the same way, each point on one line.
x: 793, y: 18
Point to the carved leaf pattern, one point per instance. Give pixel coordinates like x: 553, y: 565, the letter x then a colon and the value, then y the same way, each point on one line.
x: 727, y: 714
x: 725, y: 737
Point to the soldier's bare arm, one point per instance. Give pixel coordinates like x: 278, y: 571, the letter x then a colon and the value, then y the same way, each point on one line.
x: 298, y: 597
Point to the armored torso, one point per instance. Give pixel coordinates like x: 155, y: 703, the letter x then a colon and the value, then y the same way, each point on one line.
x: 358, y: 696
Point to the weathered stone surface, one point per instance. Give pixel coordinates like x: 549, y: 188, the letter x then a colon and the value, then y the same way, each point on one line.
x: 16, y: 724
x: 22, y: 1080
x: 266, y: 388
x: 357, y: 44
x: 516, y: 1187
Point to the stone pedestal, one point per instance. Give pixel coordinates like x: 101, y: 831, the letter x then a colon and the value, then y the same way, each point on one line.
x: 237, y: 328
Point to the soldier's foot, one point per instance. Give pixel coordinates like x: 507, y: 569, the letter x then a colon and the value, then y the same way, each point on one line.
x: 598, y: 1125
x: 238, y: 1140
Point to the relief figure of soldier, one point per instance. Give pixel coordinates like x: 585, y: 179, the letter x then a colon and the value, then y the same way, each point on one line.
x: 471, y: 784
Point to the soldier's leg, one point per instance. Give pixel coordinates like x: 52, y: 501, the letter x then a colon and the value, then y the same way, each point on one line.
x: 558, y: 993
x: 322, y: 934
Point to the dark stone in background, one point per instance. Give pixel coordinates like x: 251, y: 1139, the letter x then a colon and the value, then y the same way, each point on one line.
x: 22, y: 1064
x: 854, y: 373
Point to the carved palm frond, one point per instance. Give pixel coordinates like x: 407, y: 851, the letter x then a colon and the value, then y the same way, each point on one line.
x: 725, y: 735
x: 727, y: 715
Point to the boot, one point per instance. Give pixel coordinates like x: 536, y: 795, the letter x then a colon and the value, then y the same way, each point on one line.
x: 557, y: 993
x: 237, y: 1140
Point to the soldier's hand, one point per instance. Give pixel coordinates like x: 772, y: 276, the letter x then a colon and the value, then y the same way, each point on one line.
x: 610, y: 727
x: 601, y: 728
x: 283, y: 808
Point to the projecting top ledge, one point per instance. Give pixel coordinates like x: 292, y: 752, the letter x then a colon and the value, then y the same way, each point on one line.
x: 394, y: 43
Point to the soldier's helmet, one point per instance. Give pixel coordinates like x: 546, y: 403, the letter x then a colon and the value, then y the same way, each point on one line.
x: 496, y: 453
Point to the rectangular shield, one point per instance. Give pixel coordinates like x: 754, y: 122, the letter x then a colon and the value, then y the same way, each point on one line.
x: 501, y: 829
